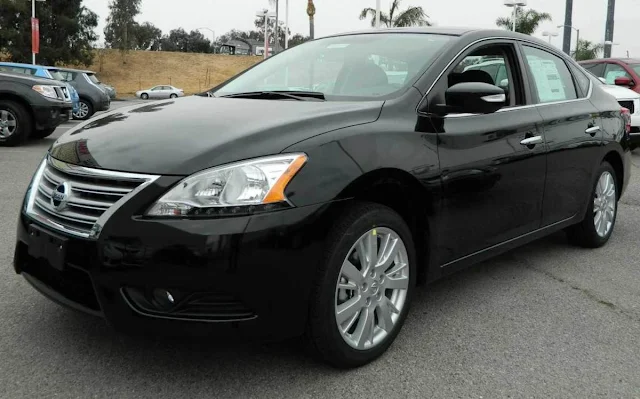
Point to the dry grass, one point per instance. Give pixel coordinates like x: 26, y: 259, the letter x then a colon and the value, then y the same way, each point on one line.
x: 188, y: 71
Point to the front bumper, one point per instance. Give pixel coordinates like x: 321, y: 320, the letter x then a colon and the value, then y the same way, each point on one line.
x: 104, y: 105
x: 250, y: 276
x: 51, y: 115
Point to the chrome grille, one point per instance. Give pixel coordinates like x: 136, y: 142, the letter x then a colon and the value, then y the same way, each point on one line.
x: 93, y: 195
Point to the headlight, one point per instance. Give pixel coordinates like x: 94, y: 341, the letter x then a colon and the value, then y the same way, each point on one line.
x: 47, y: 91
x: 238, y: 188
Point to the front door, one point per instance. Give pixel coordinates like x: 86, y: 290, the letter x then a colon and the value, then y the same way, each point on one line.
x: 493, y: 165
x: 572, y: 127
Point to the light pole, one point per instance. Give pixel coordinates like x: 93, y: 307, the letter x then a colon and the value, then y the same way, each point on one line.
x: 550, y: 34
x: 266, y: 15
x: 377, y: 14
x: 577, y: 38
x: 286, y: 25
x: 515, y: 4
x: 35, y: 32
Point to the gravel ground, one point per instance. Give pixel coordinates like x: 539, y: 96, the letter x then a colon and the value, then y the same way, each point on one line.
x: 545, y: 320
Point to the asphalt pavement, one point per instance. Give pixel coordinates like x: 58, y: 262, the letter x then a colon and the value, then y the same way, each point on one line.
x: 544, y: 321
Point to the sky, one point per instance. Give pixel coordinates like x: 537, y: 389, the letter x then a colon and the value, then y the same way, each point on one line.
x: 334, y: 16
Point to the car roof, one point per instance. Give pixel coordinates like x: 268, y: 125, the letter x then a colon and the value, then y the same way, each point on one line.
x: 449, y: 31
x: 625, y: 60
x: 17, y: 64
x: 70, y: 69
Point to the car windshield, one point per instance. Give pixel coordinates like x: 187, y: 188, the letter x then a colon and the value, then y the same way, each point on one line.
x: 358, y: 67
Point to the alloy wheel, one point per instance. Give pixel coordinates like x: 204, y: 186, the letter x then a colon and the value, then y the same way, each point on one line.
x: 604, y: 204
x: 8, y: 124
x: 83, y: 110
x: 372, y: 288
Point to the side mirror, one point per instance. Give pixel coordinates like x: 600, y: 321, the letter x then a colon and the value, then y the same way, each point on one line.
x: 475, y: 98
x: 624, y: 81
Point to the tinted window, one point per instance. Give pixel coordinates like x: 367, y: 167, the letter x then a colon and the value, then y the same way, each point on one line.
x: 614, y: 71
x: 14, y: 69
x: 551, y: 76
x: 636, y: 68
x: 367, y: 66
x: 596, y: 69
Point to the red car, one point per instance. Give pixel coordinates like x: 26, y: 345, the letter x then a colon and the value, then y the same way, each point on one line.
x: 619, y: 71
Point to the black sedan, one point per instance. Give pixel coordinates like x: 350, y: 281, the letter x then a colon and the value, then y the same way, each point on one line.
x: 311, y: 194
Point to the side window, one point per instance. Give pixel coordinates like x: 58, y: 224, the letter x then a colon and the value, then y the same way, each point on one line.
x: 551, y: 76
x: 595, y: 68
x: 492, y: 64
x: 614, y: 71
x: 582, y: 81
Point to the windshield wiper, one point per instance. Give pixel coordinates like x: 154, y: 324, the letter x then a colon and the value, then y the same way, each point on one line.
x: 295, y: 95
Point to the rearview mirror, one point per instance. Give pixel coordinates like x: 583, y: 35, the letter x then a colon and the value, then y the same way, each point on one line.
x: 624, y: 81
x: 475, y: 98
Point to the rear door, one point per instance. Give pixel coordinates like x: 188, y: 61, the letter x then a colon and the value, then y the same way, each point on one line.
x: 572, y: 128
x: 493, y: 165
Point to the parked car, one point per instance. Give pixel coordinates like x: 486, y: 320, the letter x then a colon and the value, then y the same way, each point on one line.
x: 43, y: 72
x: 628, y: 99
x: 159, y: 92
x: 619, y: 71
x: 285, y: 213
x: 30, y: 107
x: 93, y: 98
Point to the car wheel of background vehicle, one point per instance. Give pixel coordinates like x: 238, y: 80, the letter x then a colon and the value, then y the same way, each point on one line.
x: 144, y: 96
x: 15, y: 124
x: 85, y: 110
x: 363, y: 288
x: 597, y: 226
x: 173, y: 96
x: 40, y: 134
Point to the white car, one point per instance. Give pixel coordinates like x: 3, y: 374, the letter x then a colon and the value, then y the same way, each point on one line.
x: 159, y: 92
x: 631, y: 101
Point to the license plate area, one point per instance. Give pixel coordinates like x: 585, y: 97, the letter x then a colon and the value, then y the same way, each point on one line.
x: 49, y: 246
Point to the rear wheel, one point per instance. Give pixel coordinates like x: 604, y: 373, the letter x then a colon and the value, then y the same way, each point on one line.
x: 364, y: 287
x: 15, y: 124
x: 40, y: 134
x: 597, y: 226
x: 173, y: 96
x: 85, y: 110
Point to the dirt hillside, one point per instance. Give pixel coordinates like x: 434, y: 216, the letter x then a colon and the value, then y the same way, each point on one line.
x: 188, y: 71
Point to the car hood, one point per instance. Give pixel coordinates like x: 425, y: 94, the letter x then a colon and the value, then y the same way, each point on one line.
x: 183, y: 136
x: 620, y: 93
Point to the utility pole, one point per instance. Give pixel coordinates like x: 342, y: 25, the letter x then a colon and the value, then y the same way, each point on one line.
x: 286, y: 26
x: 608, y: 31
x: 566, y: 36
x: 377, y: 14
x: 277, y: 43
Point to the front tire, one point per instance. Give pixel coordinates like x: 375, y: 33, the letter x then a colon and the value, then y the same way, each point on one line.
x: 363, y: 288
x: 144, y: 96
x: 597, y: 226
x: 16, y: 124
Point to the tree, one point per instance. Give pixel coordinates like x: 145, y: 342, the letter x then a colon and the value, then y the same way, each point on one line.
x: 298, y: 39
x: 66, y: 31
x: 147, y: 37
x: 412, y: 16
x: 180, y: 40
x: 527, y: 22
x: 587, y: 50
x: 120, y: 29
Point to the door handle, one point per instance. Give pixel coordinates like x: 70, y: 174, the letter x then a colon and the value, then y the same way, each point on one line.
x: 532, y: 140
x: 592, y: 130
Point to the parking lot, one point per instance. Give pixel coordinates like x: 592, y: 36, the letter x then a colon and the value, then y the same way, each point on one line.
x: 545, y: 320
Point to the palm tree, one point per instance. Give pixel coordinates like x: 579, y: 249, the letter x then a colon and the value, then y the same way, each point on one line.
x: 587, y: 50
x: 526, y: 22
x: 412, y: 16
